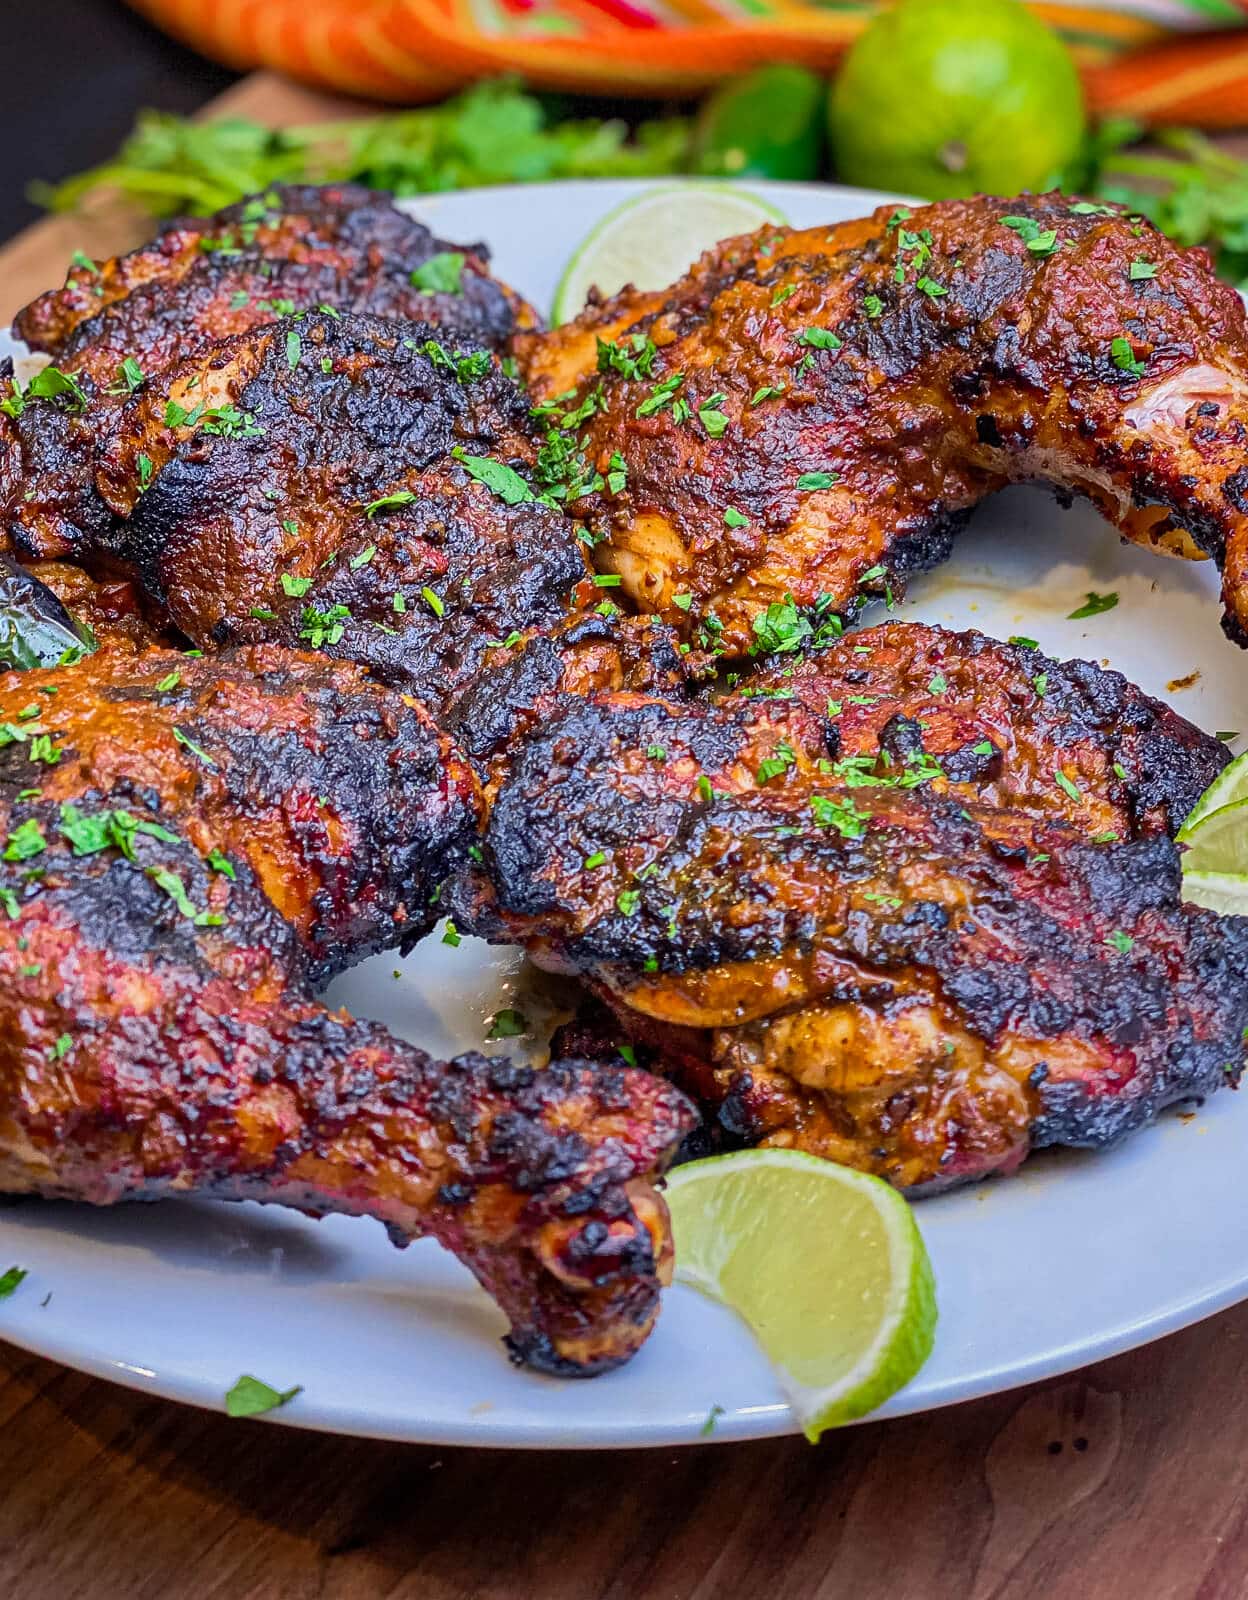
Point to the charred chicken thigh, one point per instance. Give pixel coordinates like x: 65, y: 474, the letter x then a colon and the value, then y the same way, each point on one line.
x: 188, y: 845
x: 842, y: 953
x: 116, y: 324
x: 350, y: 483
x: 1000, y: 723
x: 814, y: 413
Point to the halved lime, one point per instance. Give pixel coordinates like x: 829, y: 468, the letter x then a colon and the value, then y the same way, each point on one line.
x: 1223, y: 892
x: 1219, y: 841
x: 654, y: 237
x: 1230, y: 785
x: 825, y: 1265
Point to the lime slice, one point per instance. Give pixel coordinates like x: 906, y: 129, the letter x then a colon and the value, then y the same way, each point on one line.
x: 654, y: 237
x: 826, y: 1265
x: 1219, y: 841
x: 1230, y: 785
x: 1223, y: 892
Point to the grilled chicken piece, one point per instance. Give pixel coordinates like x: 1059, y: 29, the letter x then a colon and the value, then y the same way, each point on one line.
x: 814, y: 413
x: 347, y: 804
x: 999, y: 723
x: 187, y: 845
x: 293, y: 248
x: 345, y: 482
x: 118, y: 324
x: 877, y: 974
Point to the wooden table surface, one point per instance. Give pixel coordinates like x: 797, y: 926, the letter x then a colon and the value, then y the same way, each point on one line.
x: 1128, y: 1481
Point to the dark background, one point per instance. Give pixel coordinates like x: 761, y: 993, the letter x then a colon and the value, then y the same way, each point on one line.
x: 76, y: 72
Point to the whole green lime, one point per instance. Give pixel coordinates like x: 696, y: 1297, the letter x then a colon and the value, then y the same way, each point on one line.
x: 952, y: 97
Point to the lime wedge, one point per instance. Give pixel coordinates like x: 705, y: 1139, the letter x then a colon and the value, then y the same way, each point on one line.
x: 654, y: 237
x: 1223, y: 892
x: 1230, y: 785
x: 825, y: 1265
x: 1218, y: 842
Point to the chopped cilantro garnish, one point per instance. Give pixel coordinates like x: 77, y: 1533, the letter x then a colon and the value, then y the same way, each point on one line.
x: 774, y: 766
x: 841, y: 815
x: 1067, y: 785
x: 1023, y: 642
x: 661, y: 395
x: 188, y: 743
x: 433, y: 601
x: 508, y: 1024
x: 1123, y: 943
x: 497, y: 476
x: 816, y: 480
x: 1124, y: 358
x: 25, y: 841
x: 400, y: 497
x: 221, y: 863
x: 251, y: 1398
x: 443, y: 273
x: 872, y: 305
x: 173, y: 886
x: 631, y: 357
x: 294, y: 585
x: 712, y: 418
x: 451, y: 934
x: 294, y: 348
x: 171, y: 681
x: 1139, y: 270
x: 320, y: 628
x: 1093, y: 605
x: 735, y: 519
x: 819, y: 339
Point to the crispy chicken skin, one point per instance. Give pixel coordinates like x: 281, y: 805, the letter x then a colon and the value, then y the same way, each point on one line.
x: 877, y: 974
x: 827, y: 404
x: 346, y: 802
x: 292, y: 249
x: 302, y: 246
x: 311, y: 472
x: 167, y: 905
x: 1001, y: 722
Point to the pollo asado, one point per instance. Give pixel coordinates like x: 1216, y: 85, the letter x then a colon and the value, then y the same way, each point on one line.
x: 1003, y: 724
x: 813, y: 413
x: 909, y: 899
x: 189, y: 845
x: 349, y: 483
x: 854, y: 954
x: 115, y: 325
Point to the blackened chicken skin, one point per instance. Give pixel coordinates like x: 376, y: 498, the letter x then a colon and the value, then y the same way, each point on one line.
x: 120, y: 323
x: 166, y: 904
x: 814, y: 413
x: 345, y: 801
x: 1004, y: 724
x: 879, y: 975
x: 294, y: 247
x: 346, y: 482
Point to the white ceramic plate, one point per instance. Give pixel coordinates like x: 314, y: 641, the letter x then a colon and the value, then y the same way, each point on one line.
x: 1078, y: 1257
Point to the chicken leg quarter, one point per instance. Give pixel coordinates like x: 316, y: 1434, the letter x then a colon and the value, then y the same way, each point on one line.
x: 187, y: 843
x: 815, y: 413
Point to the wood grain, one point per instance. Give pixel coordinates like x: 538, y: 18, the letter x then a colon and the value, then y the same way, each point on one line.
x: 1129, y: 1480
x: 1125, y: 1482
